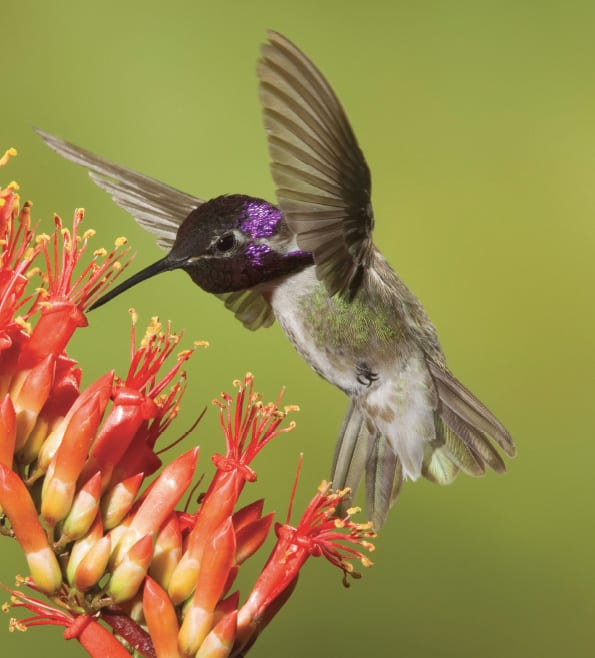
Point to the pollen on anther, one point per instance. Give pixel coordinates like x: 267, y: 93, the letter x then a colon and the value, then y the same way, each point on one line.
x: 23, y: 324
x: 121, y: 241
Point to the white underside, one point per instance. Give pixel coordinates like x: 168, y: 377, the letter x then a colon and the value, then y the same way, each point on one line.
x: 400, y: 404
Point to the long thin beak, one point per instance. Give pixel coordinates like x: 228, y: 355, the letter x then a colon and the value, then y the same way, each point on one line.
x: 164, y: 265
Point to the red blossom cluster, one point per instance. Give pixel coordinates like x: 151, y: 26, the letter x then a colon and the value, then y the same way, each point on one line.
x: 123, y: 569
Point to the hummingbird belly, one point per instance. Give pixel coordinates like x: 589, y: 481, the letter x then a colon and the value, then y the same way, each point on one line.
x: 362, y: 348
x: 346, y: 343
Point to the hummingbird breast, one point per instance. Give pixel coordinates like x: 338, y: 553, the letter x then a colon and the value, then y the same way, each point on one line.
x: 372, y: 348
x: 348, y: 343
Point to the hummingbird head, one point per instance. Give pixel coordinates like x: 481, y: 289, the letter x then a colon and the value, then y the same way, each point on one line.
x: 229, y: 243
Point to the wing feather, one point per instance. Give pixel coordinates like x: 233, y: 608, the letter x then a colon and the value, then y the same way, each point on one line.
x: 322, y: 179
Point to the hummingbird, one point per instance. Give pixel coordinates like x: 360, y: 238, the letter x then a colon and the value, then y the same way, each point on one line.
x: 310, y: 263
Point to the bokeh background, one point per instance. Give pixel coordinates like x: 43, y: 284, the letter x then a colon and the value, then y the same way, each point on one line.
x: 478, y: 122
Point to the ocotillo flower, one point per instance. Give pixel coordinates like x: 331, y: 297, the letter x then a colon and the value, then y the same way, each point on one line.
x: 124, y: 569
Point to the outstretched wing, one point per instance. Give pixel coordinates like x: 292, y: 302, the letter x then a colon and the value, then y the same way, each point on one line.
x: 160, y: 209
x: 157, y: 207
x: 322, y: 179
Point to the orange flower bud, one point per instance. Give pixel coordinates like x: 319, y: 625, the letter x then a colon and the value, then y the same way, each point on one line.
x: 117, y: 501
x: 219, y: 642
x: 92, y: 567
x: 162, y: 620
x: 129, y: 574
x: 83, y: 511
x: 8, y: 431
x: 18, y: 506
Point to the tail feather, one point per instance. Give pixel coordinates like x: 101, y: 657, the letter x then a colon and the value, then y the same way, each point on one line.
x: 351, y: 451
x: 453, y: 449
x: 361, y: 448
x: 465, y: 433
x: 467, y: 417
x: 477, y: 443
x: 384, y: 479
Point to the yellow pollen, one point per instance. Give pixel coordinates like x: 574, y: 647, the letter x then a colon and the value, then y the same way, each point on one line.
x: 184, y: 354
x: 133, y: 315
x: 237, y: 383
x: 42, y: 292
x: 9, y: 153
x: 121, y: 241
x: 323, y: 487
x: 13, y: 185
x: 366, y: 561
x: 5, y: 607
x: 89, y: 233
x: 23, y: 324
x: 42, y: 238
x: 353, y: 510
x: 117, y: 266
x: 2, y: 204
x: 201, y: 343
x: 291, y: 408
x: 100, y: 252
x: 152, y: 330
x: 339, y: 523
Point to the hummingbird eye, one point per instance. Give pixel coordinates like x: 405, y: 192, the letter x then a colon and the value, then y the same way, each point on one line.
x: 225, y: 243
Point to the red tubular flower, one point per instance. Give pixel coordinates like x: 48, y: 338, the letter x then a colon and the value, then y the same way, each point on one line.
x: 168, y: 550
x: 83, y: 511
x: 160, y: 500
x: 117, y: 501
x: 319, y: 533
x: 17, y: 504
x: 136, y: 401
x: 99, y: 390
x: 59, y: 485
x: 128, y: 575
x: 63, y: 302
x: 162, y: 620
x: 80, y: 459
x: 219, y: 642
x: 217, y: 563
x: 8, y: 430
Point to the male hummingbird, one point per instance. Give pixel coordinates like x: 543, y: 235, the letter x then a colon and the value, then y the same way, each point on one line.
x: 311, y: 264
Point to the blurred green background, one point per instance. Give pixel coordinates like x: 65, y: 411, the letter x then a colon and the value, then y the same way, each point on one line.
x: 478, y: 122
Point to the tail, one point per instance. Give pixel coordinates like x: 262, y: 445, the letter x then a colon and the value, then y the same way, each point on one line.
x: 361, y: 448
x: 465, y: 431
